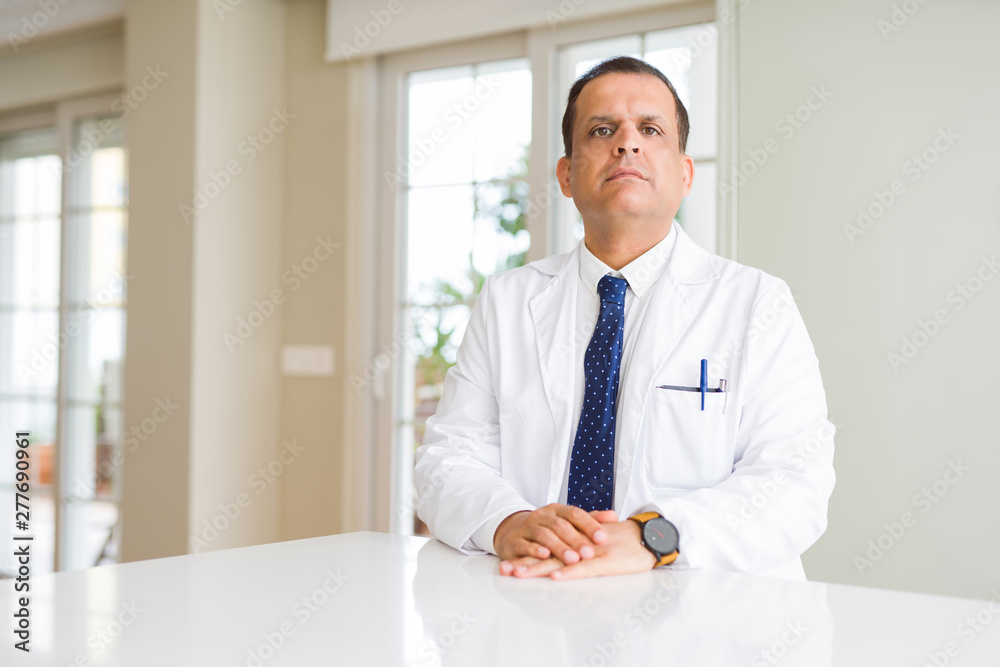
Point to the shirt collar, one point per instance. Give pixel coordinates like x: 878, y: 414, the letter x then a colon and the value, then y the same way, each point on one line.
x: 641, y: 273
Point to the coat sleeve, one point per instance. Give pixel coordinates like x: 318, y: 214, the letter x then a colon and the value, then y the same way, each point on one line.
x: 460, y: 493
x: 774, y: 504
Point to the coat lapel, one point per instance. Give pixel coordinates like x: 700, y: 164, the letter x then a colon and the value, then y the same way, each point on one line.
x: 666, y: 320
x: 553, y: 314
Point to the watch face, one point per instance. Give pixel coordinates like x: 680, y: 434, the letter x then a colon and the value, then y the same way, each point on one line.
x: 660, y: 535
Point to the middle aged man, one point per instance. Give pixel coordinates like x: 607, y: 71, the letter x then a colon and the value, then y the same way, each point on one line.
x: 580, y: 396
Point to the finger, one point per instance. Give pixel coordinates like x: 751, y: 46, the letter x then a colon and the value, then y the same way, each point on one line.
x: 542, y: 568
x: 605, y: 516
x: 594, y: 567
x: 508, y: 567
x: 580, y: 544
x: 585, y: 523
x: 545, y: 536
x: 525, y: 547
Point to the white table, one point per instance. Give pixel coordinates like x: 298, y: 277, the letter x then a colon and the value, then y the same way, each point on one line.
x: 376, y: 599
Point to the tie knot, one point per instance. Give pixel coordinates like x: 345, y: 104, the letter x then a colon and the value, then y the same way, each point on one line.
x: 612, y: 289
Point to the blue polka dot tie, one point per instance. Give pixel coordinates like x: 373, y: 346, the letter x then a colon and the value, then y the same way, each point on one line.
x: 592, y: 464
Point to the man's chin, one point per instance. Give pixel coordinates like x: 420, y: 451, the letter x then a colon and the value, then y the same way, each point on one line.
x: 625, y: 206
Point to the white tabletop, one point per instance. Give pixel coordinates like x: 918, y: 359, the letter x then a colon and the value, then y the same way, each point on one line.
x: 376, y: 599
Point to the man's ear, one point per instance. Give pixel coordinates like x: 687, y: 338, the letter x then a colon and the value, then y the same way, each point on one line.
x: 687, y: 164
x: 562, y: 173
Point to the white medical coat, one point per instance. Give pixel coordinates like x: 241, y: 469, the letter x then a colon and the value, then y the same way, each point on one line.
x: 747, y: 487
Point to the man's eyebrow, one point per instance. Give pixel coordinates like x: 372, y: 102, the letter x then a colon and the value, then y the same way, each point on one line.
x: 647, y: 118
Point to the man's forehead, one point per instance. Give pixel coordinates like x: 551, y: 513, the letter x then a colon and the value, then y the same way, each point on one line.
x: 640, y: 95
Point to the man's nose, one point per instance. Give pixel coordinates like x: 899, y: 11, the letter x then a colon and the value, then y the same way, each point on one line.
x: 629, y: 142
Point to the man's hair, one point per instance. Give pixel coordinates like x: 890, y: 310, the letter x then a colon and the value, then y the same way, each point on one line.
x: 620, y: 65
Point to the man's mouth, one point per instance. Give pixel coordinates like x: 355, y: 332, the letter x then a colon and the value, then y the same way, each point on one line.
x: 625, y: 172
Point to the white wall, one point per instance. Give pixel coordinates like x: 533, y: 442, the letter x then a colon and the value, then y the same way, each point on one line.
x: 899, y: 429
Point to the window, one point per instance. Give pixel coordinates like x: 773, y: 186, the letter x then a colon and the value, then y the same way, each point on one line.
x: 30, y: 178
x: 468, y: 137
x: 62, y: 318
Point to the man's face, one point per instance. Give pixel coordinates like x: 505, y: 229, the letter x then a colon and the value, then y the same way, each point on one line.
x: 626, y: 171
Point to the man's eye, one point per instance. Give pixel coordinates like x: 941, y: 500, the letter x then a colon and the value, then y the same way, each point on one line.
x: 601, y: 130
x: 652, y: 130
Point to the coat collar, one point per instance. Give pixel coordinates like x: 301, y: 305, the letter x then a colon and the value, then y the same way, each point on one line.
x: 689, y: 262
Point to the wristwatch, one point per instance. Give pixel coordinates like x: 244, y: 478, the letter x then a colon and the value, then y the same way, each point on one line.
x: 659, y: 536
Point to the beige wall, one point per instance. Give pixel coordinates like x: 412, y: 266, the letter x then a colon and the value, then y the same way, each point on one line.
x: 287, y: 195
x: 316, y: 177
x: 156, y: 482
x: 44, y: 71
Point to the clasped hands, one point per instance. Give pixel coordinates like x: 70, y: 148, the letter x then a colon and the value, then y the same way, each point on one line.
x: 565, y: 542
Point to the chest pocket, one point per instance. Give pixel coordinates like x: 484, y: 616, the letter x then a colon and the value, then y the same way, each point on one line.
x: 686, y: 448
